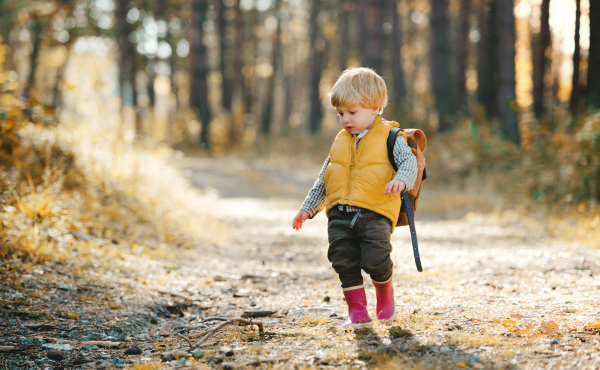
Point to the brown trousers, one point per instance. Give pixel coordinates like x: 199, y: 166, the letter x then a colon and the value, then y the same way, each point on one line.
x: 364, y: 246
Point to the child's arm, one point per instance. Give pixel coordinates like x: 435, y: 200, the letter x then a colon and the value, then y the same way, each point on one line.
x: 314, y: 202
x: 407, y: 169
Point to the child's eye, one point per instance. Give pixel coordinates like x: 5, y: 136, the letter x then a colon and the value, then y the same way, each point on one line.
x: 352, y: 112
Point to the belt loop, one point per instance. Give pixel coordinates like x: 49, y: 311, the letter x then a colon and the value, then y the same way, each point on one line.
x: 356, y: 216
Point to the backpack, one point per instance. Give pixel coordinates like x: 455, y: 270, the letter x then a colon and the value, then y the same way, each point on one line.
x: 417, y: 141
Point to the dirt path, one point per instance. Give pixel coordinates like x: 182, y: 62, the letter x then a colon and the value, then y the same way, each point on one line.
x: 495, y: 293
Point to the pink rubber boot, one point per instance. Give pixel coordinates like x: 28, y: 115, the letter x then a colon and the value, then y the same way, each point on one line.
x: 358, y: 317
x: 385, y: 300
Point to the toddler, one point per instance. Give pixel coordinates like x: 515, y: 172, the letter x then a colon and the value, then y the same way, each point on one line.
x: 360, y: 192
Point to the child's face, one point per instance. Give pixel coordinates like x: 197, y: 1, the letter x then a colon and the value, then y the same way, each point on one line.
x: 356, y: 119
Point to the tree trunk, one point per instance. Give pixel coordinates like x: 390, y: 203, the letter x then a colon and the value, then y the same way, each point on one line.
x: 462, y: 55
x: 226, y: 81
x: 440, y: 76
x: 593, y: 81
x: 396, y: 45
x: 276, y: 61
x: 574, y: 102
x: 507, y: 84
x: 487, y: 61
x: 238, y: 64
x: 343, y: 34
x: 252, y: 45
x: 35, y: 30
x: 316, y: 62
x: 371, y: 46
x: 540, y: 60
x: 127, y: 57
x: 199, y: 69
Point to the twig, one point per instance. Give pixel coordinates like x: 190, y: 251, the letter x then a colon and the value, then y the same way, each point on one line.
x: 214, y: 319
x: 188, y: 327
x: 175, y: 294
x: 187, y: 340
x: 100, y: 343
x: 238, y: 320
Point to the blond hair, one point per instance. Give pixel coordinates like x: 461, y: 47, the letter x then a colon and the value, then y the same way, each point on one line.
x: 360, y: 86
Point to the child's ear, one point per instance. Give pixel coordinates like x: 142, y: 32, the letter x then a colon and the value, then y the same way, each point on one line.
x: 375, y: 111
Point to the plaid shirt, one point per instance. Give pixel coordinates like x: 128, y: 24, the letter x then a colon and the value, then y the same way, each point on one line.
x: 407, y: 173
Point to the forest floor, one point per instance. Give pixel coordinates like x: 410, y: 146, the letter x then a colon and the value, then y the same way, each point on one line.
x: 496, y: 292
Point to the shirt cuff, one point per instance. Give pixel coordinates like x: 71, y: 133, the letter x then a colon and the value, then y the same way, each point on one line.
x: 308, y: 210
x: 408, y: 185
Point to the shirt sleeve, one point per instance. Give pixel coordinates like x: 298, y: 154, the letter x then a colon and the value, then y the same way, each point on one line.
x: 406, y: 162
x: 315, y: 201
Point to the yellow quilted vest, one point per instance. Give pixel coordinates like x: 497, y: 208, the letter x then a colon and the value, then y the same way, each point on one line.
x: 357, y: 176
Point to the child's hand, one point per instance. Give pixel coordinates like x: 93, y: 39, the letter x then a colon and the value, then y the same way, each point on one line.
x: 395, y: 187
x: 299, y: 220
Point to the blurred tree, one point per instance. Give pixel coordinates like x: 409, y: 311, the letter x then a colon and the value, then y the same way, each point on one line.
x: 540, y: 49
x: 396, y: 45
x: 593, y: 80
x: 462, y: 54
x: 199, y: 69
x: 506, y: 71
x: 226, y: 78
x: 440, y: 76
x: 317, y: 43
x: 37, y: 24
x: 487, y: 60
x: 275, y: 63
x: 343, y: 6
x: 371, y: 36
x: 127, y: 57
x: 575, y: 86
x: 238, y: 63
x: 250, y: 56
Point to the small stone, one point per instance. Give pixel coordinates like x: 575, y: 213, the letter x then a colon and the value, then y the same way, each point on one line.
x: 55, y: 355
x: 326, y: 299
x: 445, y: 349
x: 133, y: 350
x: 474, y: 360
x: 227, y: 351
x: 197, y: 353
x: 554, y: 341
x: 310, y: 310
x: 58, y: 347
x: 143, y: 336
x: 91, y: 347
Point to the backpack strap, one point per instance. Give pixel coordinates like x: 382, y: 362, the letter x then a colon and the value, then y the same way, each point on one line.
x: 391, y: 141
